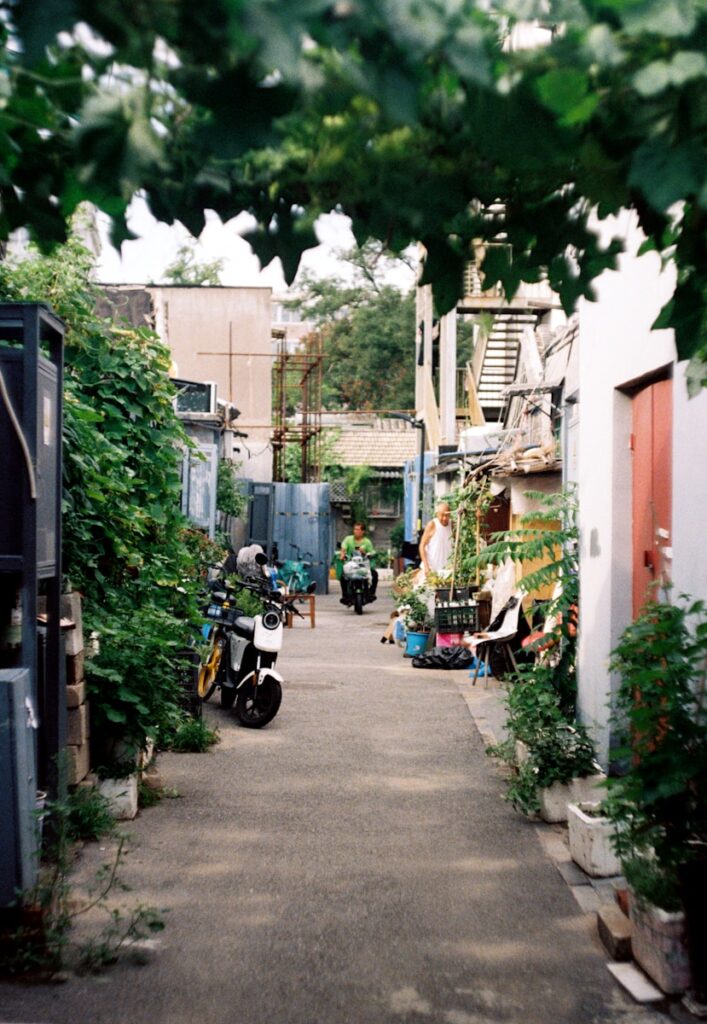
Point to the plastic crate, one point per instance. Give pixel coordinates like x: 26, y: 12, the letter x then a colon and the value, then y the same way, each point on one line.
x: 457, y: 617
x: 448, y: 639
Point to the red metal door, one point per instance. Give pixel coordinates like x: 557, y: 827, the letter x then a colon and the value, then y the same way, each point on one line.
x: 652, y: 487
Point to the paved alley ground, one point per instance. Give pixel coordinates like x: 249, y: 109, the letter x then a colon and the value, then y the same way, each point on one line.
x: 352, y: 863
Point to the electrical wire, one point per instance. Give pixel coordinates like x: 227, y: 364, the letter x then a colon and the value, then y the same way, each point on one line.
x: 20, y: 436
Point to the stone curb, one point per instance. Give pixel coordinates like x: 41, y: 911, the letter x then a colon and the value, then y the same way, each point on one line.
x: 595, y: 897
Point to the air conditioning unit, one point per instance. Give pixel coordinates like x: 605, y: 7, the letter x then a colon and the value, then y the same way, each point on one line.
x: 196, y: 396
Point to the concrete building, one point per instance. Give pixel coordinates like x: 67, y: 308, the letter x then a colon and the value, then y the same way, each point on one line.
x: 221, y: 335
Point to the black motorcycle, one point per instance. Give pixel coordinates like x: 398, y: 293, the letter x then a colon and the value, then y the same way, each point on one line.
x: 358, y: 575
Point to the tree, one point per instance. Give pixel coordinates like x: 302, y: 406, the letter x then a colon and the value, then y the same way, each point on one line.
x: 186, y: 268
x: 367, y: 329
x: 412, y: 118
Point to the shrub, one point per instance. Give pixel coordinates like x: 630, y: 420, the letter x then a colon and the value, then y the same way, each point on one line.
x: 193, y: 737
x: 659, y: 715
x: 88, y: 815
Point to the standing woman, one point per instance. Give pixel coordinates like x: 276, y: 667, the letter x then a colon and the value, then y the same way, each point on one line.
x: 436, y: 541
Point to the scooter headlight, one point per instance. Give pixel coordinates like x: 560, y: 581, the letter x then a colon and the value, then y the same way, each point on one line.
x: 271, y: 620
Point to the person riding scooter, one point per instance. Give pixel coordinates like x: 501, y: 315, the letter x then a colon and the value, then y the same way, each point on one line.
x: 356, y: 542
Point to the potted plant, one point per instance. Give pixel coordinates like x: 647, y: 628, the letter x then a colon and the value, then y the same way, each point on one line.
x: 659, y: 800
x: 561, y: 768
x: 416, y: 612
x: 552, y: 759
x: 403, y: 584
x: 440, y: 583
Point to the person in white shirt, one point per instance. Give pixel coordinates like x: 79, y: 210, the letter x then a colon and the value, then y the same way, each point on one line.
x: 436, y: 541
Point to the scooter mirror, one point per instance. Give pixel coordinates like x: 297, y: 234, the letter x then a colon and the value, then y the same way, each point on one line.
x: 312, y: 587
x: 261, y: 558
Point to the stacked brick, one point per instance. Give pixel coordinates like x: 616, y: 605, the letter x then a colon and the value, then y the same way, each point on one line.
x: 78, y: 759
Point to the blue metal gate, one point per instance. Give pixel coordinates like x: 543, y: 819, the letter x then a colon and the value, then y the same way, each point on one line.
x: 296, y: 519
x: 412, y: 494
x: 301, y: 527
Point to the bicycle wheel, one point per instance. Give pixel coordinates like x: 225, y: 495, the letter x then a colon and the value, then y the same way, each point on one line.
x: 209, y: 670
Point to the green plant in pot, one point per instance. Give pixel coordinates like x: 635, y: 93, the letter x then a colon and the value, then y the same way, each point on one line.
x: 404, y: 584
x: 414, y: 610
x: 559, y: 750
x: 659, y: 802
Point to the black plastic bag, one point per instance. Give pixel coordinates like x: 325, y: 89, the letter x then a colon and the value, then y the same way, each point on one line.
x: 444, y: 657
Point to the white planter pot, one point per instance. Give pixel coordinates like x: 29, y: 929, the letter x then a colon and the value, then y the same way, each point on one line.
x: 589, y: 789
x: 121, y: 795
x: 590, y: 841
x: 554, y: 799
x: 659, y: 944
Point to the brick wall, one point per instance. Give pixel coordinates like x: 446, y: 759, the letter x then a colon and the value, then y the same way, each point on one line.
x: 78, y: 754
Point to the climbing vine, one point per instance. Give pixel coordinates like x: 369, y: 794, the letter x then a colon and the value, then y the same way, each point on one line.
x: 126, y: 546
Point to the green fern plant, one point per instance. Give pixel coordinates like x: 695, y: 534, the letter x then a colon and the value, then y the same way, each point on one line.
x: 553, y: 537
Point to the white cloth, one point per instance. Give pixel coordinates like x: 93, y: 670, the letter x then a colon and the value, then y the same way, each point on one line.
x: 439, y: 546
x: 503, y: 585
x: 247, y: 565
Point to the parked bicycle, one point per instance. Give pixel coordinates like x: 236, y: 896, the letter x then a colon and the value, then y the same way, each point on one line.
x: 293, y: 575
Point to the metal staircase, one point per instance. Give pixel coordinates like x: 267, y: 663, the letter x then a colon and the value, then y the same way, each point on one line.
x: 497, y: 348
x: 496, y: 355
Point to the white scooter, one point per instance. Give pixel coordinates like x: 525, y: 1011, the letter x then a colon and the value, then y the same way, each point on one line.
x: 244, y: 650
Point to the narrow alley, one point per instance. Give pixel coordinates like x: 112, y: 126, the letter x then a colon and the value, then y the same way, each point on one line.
x: 352, y: 863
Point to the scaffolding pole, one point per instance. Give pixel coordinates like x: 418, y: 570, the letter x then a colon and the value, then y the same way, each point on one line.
x: 297, y: 407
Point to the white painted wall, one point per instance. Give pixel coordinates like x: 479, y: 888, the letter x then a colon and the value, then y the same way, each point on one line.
x: 448, y: 377
x: 617, y: 347
x: 689, y: 490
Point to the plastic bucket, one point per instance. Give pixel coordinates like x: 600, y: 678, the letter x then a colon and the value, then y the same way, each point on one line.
x: 415, y: 643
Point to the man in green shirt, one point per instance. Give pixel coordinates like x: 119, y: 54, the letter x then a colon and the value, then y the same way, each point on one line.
x: 356, y: 541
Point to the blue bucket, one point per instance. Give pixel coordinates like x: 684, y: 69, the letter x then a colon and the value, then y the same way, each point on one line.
x: 415, y: 643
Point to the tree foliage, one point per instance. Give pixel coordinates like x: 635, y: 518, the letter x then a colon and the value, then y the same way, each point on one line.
x: 367, y: 330
x: 415, y: 119
x: 186, y: 268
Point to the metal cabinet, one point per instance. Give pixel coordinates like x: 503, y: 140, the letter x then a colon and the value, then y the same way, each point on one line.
x: 18, y: 785
x: 31, y: 392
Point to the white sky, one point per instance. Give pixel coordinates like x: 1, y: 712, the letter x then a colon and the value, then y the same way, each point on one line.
x: 144, y: 260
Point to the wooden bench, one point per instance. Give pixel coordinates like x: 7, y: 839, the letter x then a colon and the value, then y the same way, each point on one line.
x: 301, y: 599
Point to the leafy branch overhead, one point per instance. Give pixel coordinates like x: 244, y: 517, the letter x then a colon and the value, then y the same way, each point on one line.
x: 417, y: 120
